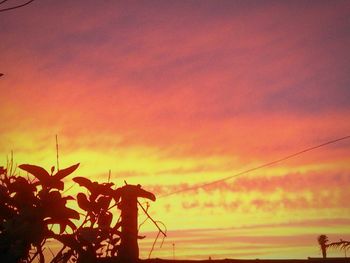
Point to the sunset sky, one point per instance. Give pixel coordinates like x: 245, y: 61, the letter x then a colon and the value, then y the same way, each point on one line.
x: 171, y: 94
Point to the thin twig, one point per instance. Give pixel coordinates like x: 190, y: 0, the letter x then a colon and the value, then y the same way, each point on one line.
x: 15, y: 7
x: 154, y: 222
x: 69, y: 188
x: 3, y: 1
x: 58, y: 167
x: 166, y: 230
x: 154, y: 243
x: 144, y: 221
x: 11, y: 163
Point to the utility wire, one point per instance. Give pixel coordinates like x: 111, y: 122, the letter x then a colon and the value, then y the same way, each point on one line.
x: 255, y: 168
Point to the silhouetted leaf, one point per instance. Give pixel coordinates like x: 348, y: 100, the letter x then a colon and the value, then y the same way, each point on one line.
x: 54, y: 197
x: 83, y: 202
x: 70, y: 213
x: 103, y: 202
x: 45, y: 179
x: 62, y: 222
x: 65, y: 172
x: 95, y: 188
x: 21, y: 185
x: 56, y: 184
x: 35, y: 170
x: 84, y: 182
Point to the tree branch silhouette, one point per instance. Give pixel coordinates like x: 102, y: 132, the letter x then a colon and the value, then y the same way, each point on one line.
x: 14, y: 7
x: 3, y: 1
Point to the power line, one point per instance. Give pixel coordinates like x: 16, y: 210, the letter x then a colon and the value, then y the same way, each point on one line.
x: 255, y: 168
x: 14, y: 7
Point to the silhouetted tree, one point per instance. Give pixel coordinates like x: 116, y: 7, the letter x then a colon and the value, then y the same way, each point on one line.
x: 341, y: 245
x: 322, y: 241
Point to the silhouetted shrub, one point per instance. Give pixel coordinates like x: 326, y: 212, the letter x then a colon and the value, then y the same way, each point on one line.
x: 29, y: 209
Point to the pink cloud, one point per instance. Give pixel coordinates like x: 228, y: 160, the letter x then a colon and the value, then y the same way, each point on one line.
x: 295, y: 182
x: 324, y: 190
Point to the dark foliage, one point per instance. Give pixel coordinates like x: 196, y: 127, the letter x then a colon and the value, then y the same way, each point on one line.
x: 30, y: 208
x: 96, y: 237
x: 26, y: 211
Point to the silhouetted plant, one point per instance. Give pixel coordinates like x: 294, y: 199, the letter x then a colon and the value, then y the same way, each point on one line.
x: 27, y: 212
x: 322, y: 241
x: 30, y: 208
x: 341, y: 245
x: 95, y: 238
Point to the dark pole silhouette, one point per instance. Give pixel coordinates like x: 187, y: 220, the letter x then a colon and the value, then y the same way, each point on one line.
x: 129, y: 250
